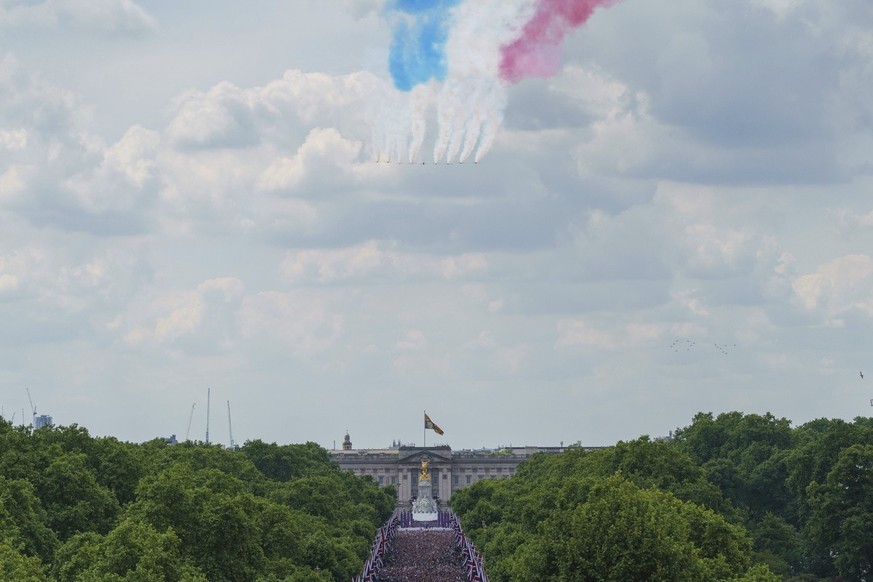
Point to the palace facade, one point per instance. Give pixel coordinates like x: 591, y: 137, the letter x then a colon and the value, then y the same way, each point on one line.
x: 450, y: 470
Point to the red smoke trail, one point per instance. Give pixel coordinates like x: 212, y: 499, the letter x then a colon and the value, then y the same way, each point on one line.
x: 537, y: 53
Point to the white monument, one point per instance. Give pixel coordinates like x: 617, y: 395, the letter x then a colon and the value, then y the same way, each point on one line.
x: 424, y: 508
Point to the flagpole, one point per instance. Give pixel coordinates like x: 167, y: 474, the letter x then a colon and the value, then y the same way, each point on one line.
x: 424, y: 431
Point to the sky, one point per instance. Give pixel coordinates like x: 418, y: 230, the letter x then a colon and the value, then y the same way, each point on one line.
x: 195, y: 196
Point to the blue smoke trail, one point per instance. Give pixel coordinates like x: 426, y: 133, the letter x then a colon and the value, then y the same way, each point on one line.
x: 418, y: 47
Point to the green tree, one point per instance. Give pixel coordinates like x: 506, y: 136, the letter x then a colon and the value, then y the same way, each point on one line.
x: 662, y: 465
x: 16, y: 566
x: 132, y: 552
x: 73, y: 499
x: 282, y: 463
x: 623, y: 532
x: 212, y: 514
x: 759, y: 573
x: 226, y: 546
x: 23, y: 520
x: 841, y: 524
x: 118, y: 466
x: 744, y: 456
x: 100, y: 509
x: 820, y: 443
x: 778, y: 544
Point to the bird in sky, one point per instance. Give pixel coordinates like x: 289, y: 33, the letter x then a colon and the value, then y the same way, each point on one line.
x: 862, y: 375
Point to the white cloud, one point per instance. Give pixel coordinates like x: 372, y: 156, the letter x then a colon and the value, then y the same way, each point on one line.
x: 19, y: 266
x: 230, y: 288
x: 838, y: 288
x: 715, y: 230
x: 8, y: 282
x: 713, y: 248
x: 633, y: 244
x: 324, y: 154
x: 169, y: 318
x: 12, y: 183
x: 850, y: 220
x: 583, y: 333
x: 72, y: 286
x: 13, y: 140
x: 219, y: 118
x: 691, y: 300
x: 413, y: 341
x: 362, y: 8
x: 484, y: 340
x: 624, y: 138
x: 463, y: 265
x: 228, y: 116
x: 600, y: 96
x: 780, y: 8
x: 127, y: 174
x: 35, y: 106
x: 481, y: 294
x: 165, y: 318
x: 512, y: 359
x: 303, y: 324
x: 112, y: 16
x: 185, y: 313
x: 325, y: 266
x: 373, y: 260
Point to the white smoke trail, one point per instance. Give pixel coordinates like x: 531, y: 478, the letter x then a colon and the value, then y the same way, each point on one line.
x: 471, y: 100
x: 420, y: 98
x: 492, y: 121
x: 482, y: 104
x: 451, y: 104
x: 474, y: 96
x: 396, y: 121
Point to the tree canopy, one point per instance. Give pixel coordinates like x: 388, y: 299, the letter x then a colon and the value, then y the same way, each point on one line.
x: 732, y: 497
x: 729, y: 497
x: 78, y: 508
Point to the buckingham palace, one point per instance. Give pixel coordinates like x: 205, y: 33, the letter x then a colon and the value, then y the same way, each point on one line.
x: 450, y: 470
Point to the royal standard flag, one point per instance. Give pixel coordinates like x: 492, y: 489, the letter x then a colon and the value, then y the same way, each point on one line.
x: 428, y: 423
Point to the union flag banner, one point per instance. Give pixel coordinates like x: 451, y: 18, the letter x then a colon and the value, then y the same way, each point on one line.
x: 428, y: 423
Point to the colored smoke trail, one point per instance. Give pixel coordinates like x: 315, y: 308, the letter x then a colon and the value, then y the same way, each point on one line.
x: 451, y: 62
x: 537, y: 53
x: 418, y: 48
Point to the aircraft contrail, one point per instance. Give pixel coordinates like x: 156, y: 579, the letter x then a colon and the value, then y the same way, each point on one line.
x: 453, y: 60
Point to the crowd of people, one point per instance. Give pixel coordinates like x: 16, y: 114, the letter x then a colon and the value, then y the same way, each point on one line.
x: 423, y: 555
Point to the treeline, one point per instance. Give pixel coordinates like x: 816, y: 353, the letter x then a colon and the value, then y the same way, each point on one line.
x: 738, y: 497
x: 78, y: 508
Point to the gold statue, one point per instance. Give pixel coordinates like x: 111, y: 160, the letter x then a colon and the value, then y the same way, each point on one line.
x: 424, y: 473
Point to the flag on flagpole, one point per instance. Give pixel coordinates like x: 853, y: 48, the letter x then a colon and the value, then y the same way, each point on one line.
x: 428, y: 423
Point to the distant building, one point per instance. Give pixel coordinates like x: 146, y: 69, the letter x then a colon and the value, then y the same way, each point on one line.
x: 41, y: 421
x: 450, y: 470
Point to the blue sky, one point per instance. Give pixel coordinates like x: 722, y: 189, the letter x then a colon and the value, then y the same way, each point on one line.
x: 189, y: 199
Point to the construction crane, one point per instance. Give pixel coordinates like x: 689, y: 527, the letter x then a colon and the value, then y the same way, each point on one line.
x: 230, y: 428
x: 190, y: 418
x: 208, y: 395
x: 32, y: 407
